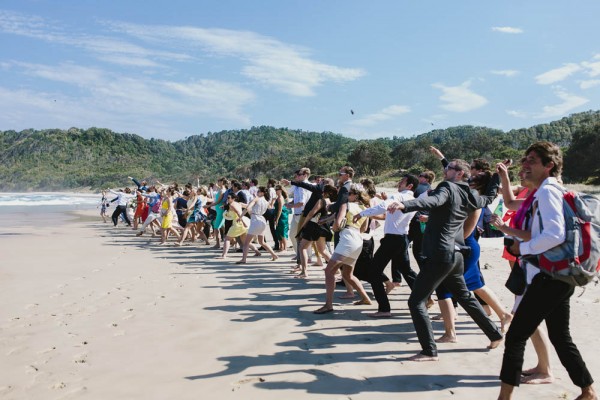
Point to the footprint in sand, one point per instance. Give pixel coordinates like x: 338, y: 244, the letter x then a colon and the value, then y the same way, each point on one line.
x: 96, y: 270
x: 59, y: 385
x: 28, y: 306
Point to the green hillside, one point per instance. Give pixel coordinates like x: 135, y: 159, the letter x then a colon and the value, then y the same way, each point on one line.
x: 54, y: 159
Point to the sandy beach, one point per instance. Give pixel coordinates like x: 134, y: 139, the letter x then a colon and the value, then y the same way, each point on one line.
x: 90, y: 311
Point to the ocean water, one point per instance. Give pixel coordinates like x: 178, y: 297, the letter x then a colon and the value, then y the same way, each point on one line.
x: 44, y: 208
x: 77, y: 200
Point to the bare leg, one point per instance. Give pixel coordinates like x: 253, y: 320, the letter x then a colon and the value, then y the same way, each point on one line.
x: 448, y: 315
x: 265, y: 245
x: 330, y: 270
x: 304, y: 245
x: 226, y: 244
x: 356, y: 284
x: 247, y: 241
x: 542, y: 372
x: 490, y: 298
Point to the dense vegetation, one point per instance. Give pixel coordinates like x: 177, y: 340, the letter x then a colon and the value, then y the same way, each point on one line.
x: 55, y: 159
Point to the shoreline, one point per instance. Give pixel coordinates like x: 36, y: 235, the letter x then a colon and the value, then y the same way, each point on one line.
x: 91, y: 311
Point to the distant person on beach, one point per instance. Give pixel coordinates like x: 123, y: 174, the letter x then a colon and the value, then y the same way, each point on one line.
x: 167, y: 213
x: 296, y: 206
x: 448, y: 207
x: 258, y: 224
x: 122, y: 200
x: 545, y: 299
x: 153, y: 201
x: 142, y: 186
x: 239, y: 225
x: 282, y: 218
x: 217, y: 205
x: 104, y: 204
x: 270, y: 214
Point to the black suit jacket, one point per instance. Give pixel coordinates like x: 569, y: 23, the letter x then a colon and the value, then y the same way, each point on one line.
x: 448, y: 206
x: 342, y: 197
x: 316, y: 193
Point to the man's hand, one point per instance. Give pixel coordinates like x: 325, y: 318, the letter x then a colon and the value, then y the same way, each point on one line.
x: 394, y: 206
x: 285, y: 182
x: 438, y: 154
x: 383, y: 196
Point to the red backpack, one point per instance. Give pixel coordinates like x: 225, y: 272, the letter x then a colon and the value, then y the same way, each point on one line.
x: 576, y: 260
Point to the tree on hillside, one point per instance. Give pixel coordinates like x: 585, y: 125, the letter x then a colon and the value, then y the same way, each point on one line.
x: 580, y: 162
x: 370, y: 158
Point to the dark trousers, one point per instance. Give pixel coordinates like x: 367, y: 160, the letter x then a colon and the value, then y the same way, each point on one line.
x: 450, y: 274
x: 270, y: 217
x: 394, y: 248
x: 115, y: 215
x: 416, y: 237
x: 545, y: 299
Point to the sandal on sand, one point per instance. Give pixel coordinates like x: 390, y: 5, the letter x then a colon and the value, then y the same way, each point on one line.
x: 323, y: 310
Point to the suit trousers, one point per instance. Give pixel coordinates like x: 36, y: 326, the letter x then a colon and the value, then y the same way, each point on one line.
x: 545, y: 299
x: 450, y: 274
x: 394, y: 248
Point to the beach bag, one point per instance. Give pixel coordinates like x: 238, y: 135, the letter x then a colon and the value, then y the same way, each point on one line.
x: 576, y: 260
x: 517, y: 281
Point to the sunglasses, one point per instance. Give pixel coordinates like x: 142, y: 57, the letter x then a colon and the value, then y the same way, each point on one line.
x: 343, y: 173
x: 447, y: 167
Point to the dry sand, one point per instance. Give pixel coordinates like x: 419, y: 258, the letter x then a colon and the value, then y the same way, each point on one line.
x: 93, y: 312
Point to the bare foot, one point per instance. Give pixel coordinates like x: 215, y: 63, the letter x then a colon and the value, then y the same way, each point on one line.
x: 537, y: 379
x: 317, y: 264
x: 301, y: 276
x: 323, y: 310
x: 389, y: 286
x: 274, y: 258
x: 446, y: 339
x: 363, y: 302
x: 346, y: 296
x: 220, y: 258
x: 495, y: 344
x: 241, y: 262
x: 422, y: 357
x: 587, y: 393
x: 505, y: 322
x: 381, y: 314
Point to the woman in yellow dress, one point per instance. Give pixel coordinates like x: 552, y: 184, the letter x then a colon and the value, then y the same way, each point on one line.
x: 166, y: 213
x: 348, y: 249
x: 239, y: 226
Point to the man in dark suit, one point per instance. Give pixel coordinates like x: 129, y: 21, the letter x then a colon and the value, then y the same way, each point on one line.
x: 345, y: 181
x: 443, y: 241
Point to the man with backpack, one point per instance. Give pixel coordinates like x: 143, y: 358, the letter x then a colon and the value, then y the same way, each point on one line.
x: 546, y: 298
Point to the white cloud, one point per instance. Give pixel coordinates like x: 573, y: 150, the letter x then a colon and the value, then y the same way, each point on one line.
x: 517, y: 113
x: 104, y: 48
x: 569, y: 103
x: 507, y: 29
x: 112, y: 99
x: 557, y: 74
x: 505, y: 72
x: 591, y: 68
x: 589, y: 83
x: 460, y: 98
x: 382, y: 115
x: 287, y: 68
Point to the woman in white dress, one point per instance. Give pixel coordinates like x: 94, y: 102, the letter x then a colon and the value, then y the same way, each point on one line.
x: 348, y: 249
x: 258, y: 224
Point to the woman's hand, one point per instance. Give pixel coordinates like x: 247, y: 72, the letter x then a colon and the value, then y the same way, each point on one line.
x: 496, y: 221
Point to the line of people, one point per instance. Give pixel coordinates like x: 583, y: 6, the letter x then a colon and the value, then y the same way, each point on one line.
x: 441, y: 223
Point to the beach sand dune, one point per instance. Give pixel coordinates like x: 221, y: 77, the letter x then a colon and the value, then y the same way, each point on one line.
x: 93, y: 312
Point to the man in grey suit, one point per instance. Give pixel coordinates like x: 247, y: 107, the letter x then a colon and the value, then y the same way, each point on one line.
x: 443, y: 241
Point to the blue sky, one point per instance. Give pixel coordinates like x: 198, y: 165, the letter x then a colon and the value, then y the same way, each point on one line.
x: 179, y: 68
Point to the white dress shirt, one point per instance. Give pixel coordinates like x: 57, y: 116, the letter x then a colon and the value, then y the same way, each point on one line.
x: 549, y: 200
x: 396, y: 223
